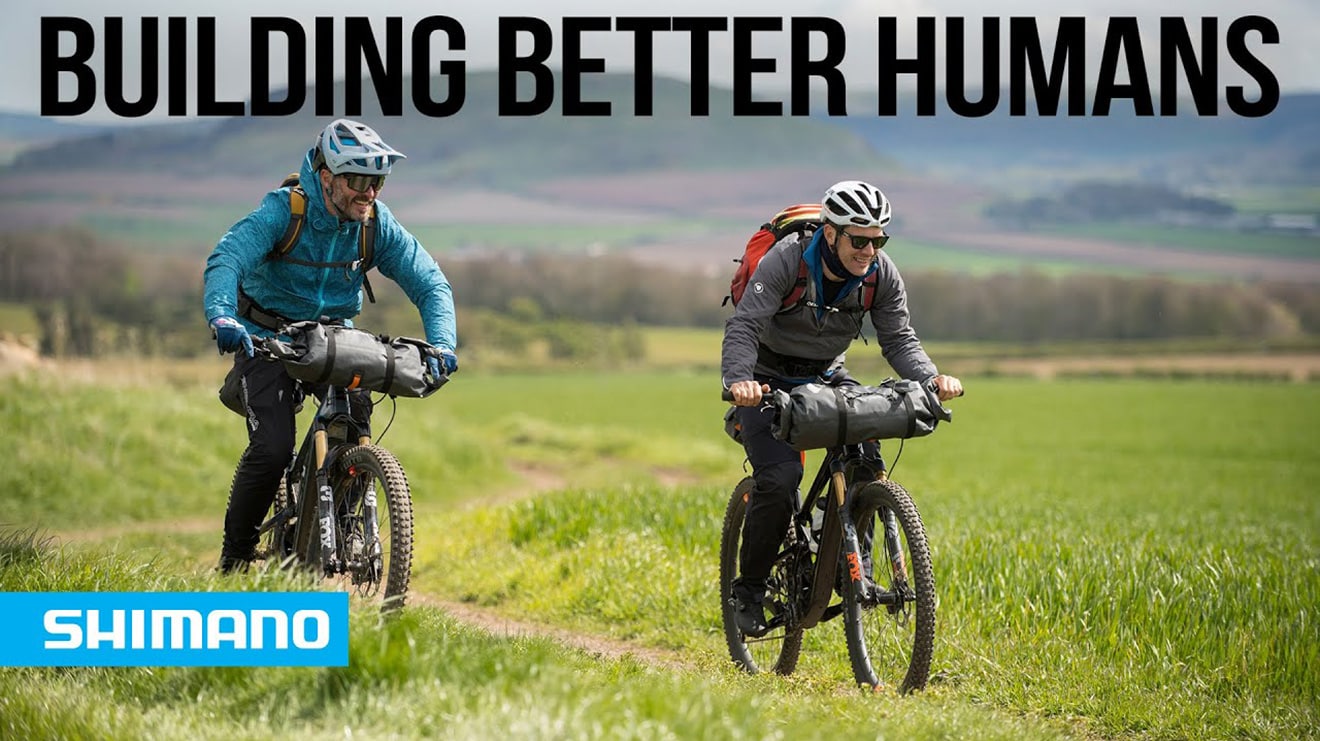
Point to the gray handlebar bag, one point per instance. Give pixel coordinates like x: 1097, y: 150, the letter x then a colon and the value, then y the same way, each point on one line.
x: 356, y: 359
x: 815, y: 416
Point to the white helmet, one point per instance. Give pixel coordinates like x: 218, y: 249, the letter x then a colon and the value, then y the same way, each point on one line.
x: 854, y: 203
x: 350, y: 147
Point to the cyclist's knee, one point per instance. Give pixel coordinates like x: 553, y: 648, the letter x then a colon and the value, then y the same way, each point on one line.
x: 779, y: 480
x: 265, y: 459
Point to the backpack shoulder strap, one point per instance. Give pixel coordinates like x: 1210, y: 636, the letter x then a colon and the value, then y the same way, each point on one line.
x: 799, y: 290
x: 367, y: 251
x: 297, y: 216
x: 869, y: 287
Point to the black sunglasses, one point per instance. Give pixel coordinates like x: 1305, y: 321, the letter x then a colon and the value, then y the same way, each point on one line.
x: 360, y: 183
x: 859, y: 242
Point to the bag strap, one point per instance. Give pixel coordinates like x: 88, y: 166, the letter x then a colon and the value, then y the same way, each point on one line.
x: 264, y: 318
x: 297, y: 215
x: 367, y: 251
x: 911, y: 415
x: 329, y: 356
x: 797, y: 294
x: 389, y: 366
x: 842, y: 405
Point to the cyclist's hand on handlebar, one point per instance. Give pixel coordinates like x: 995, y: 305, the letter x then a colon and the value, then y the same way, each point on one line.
x: 440, y: 363
x: 448, y: 359
x: 947, y: 387
x: 231, y: 336
x: 747, y: 393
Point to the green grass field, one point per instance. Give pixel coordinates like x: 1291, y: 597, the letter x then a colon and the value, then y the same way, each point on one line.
x: 1114, y: 558
x: 1205, y: 239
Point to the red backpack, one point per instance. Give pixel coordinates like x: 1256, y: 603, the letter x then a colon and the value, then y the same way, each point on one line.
x: 803, y: 218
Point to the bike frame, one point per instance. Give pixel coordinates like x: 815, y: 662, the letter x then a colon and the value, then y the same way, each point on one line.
x: 838, y: 534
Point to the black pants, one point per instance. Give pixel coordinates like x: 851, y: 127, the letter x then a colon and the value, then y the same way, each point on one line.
x: 777, y: 472
x: 270, y: 400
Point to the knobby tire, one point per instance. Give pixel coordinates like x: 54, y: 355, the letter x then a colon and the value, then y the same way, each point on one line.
x: 779, y: 649
x: 883, y: 643
x: 377, y: 467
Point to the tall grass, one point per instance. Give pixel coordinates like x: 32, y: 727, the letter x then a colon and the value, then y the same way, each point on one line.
x: 1118, y: 558
x: 422, y: 675
x: 1097, y: 545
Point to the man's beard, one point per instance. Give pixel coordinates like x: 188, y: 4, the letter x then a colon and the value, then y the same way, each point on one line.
x: 344, y: 201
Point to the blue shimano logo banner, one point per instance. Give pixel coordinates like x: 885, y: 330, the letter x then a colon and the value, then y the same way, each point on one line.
x: 174, y: 629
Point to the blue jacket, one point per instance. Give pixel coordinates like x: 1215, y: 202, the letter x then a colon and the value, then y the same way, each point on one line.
x: 301, y: 292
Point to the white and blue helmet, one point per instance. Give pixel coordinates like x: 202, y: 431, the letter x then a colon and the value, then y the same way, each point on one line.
x: 350, y: 147
x: 854, y: 203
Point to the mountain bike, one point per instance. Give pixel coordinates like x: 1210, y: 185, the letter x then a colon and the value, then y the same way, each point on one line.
x: 326, y: 515
x: 858, y: 536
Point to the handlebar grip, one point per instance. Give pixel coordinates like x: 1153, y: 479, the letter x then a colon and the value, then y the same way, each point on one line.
x: 726, y: 395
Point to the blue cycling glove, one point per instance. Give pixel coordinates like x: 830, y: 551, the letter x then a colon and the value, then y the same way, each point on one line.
x: 441, y: 362
x: 448, y: 359
x: 231, y: 336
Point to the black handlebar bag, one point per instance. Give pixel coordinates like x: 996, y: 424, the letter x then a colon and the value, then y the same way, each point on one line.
x: 356, y: 359
x: 813, y: 415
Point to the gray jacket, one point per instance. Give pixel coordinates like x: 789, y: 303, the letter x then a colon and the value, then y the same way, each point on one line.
x: 762, y: 338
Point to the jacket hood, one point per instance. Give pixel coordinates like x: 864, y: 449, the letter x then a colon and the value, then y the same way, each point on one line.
x: 814, y: 260
x: 311, y: 184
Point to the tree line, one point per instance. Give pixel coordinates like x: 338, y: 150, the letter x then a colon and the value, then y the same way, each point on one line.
x: 92, y: 297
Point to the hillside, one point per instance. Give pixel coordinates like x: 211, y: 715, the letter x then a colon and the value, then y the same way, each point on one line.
x: 477, y: 144
x: 1282, y: 148
x: 686, y: 189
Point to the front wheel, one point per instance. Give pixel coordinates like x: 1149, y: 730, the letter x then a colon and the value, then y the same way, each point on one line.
x: 777, y: 650
x: 892, y: 631
x: 375, y: 546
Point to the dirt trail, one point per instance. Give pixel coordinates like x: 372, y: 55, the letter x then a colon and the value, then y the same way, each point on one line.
x: 502, y: 626
x: 536, y: 480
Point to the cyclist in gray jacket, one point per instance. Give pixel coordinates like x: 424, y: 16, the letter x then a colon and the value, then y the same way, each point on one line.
x: 767, y: 346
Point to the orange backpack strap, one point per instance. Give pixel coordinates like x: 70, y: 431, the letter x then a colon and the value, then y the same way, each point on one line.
x: 297, y: 215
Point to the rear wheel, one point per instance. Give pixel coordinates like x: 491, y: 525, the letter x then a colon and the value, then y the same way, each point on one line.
x: 374, y: 524
x: 891, y: 634
x: 777, y: 650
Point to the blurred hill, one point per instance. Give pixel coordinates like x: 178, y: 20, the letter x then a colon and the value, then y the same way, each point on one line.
x: 1280, y: 149
x: 476, y: 145
x: 687, y: 189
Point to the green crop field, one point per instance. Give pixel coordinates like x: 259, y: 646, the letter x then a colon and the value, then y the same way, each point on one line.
x: 1114, y: 558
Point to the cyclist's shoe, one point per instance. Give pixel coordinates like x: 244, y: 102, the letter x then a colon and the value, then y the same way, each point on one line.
x: 235, y: 564
x: 750, y: 618
x: 748, y: 608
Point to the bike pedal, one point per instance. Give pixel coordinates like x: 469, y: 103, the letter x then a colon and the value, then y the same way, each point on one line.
x: 832, y: 612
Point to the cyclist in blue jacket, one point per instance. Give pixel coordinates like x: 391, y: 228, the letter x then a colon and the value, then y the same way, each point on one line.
x: 251, y: 291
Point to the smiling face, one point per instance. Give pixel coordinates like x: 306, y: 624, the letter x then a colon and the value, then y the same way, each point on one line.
x: 345, y: 202
x: 856, y: 246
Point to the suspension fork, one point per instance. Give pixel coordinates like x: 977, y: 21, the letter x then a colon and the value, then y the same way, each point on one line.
x: 893, y: 546
x: 852, y: 548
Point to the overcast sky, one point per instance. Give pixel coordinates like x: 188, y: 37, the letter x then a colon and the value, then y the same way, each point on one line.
x: 1295, y: 60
